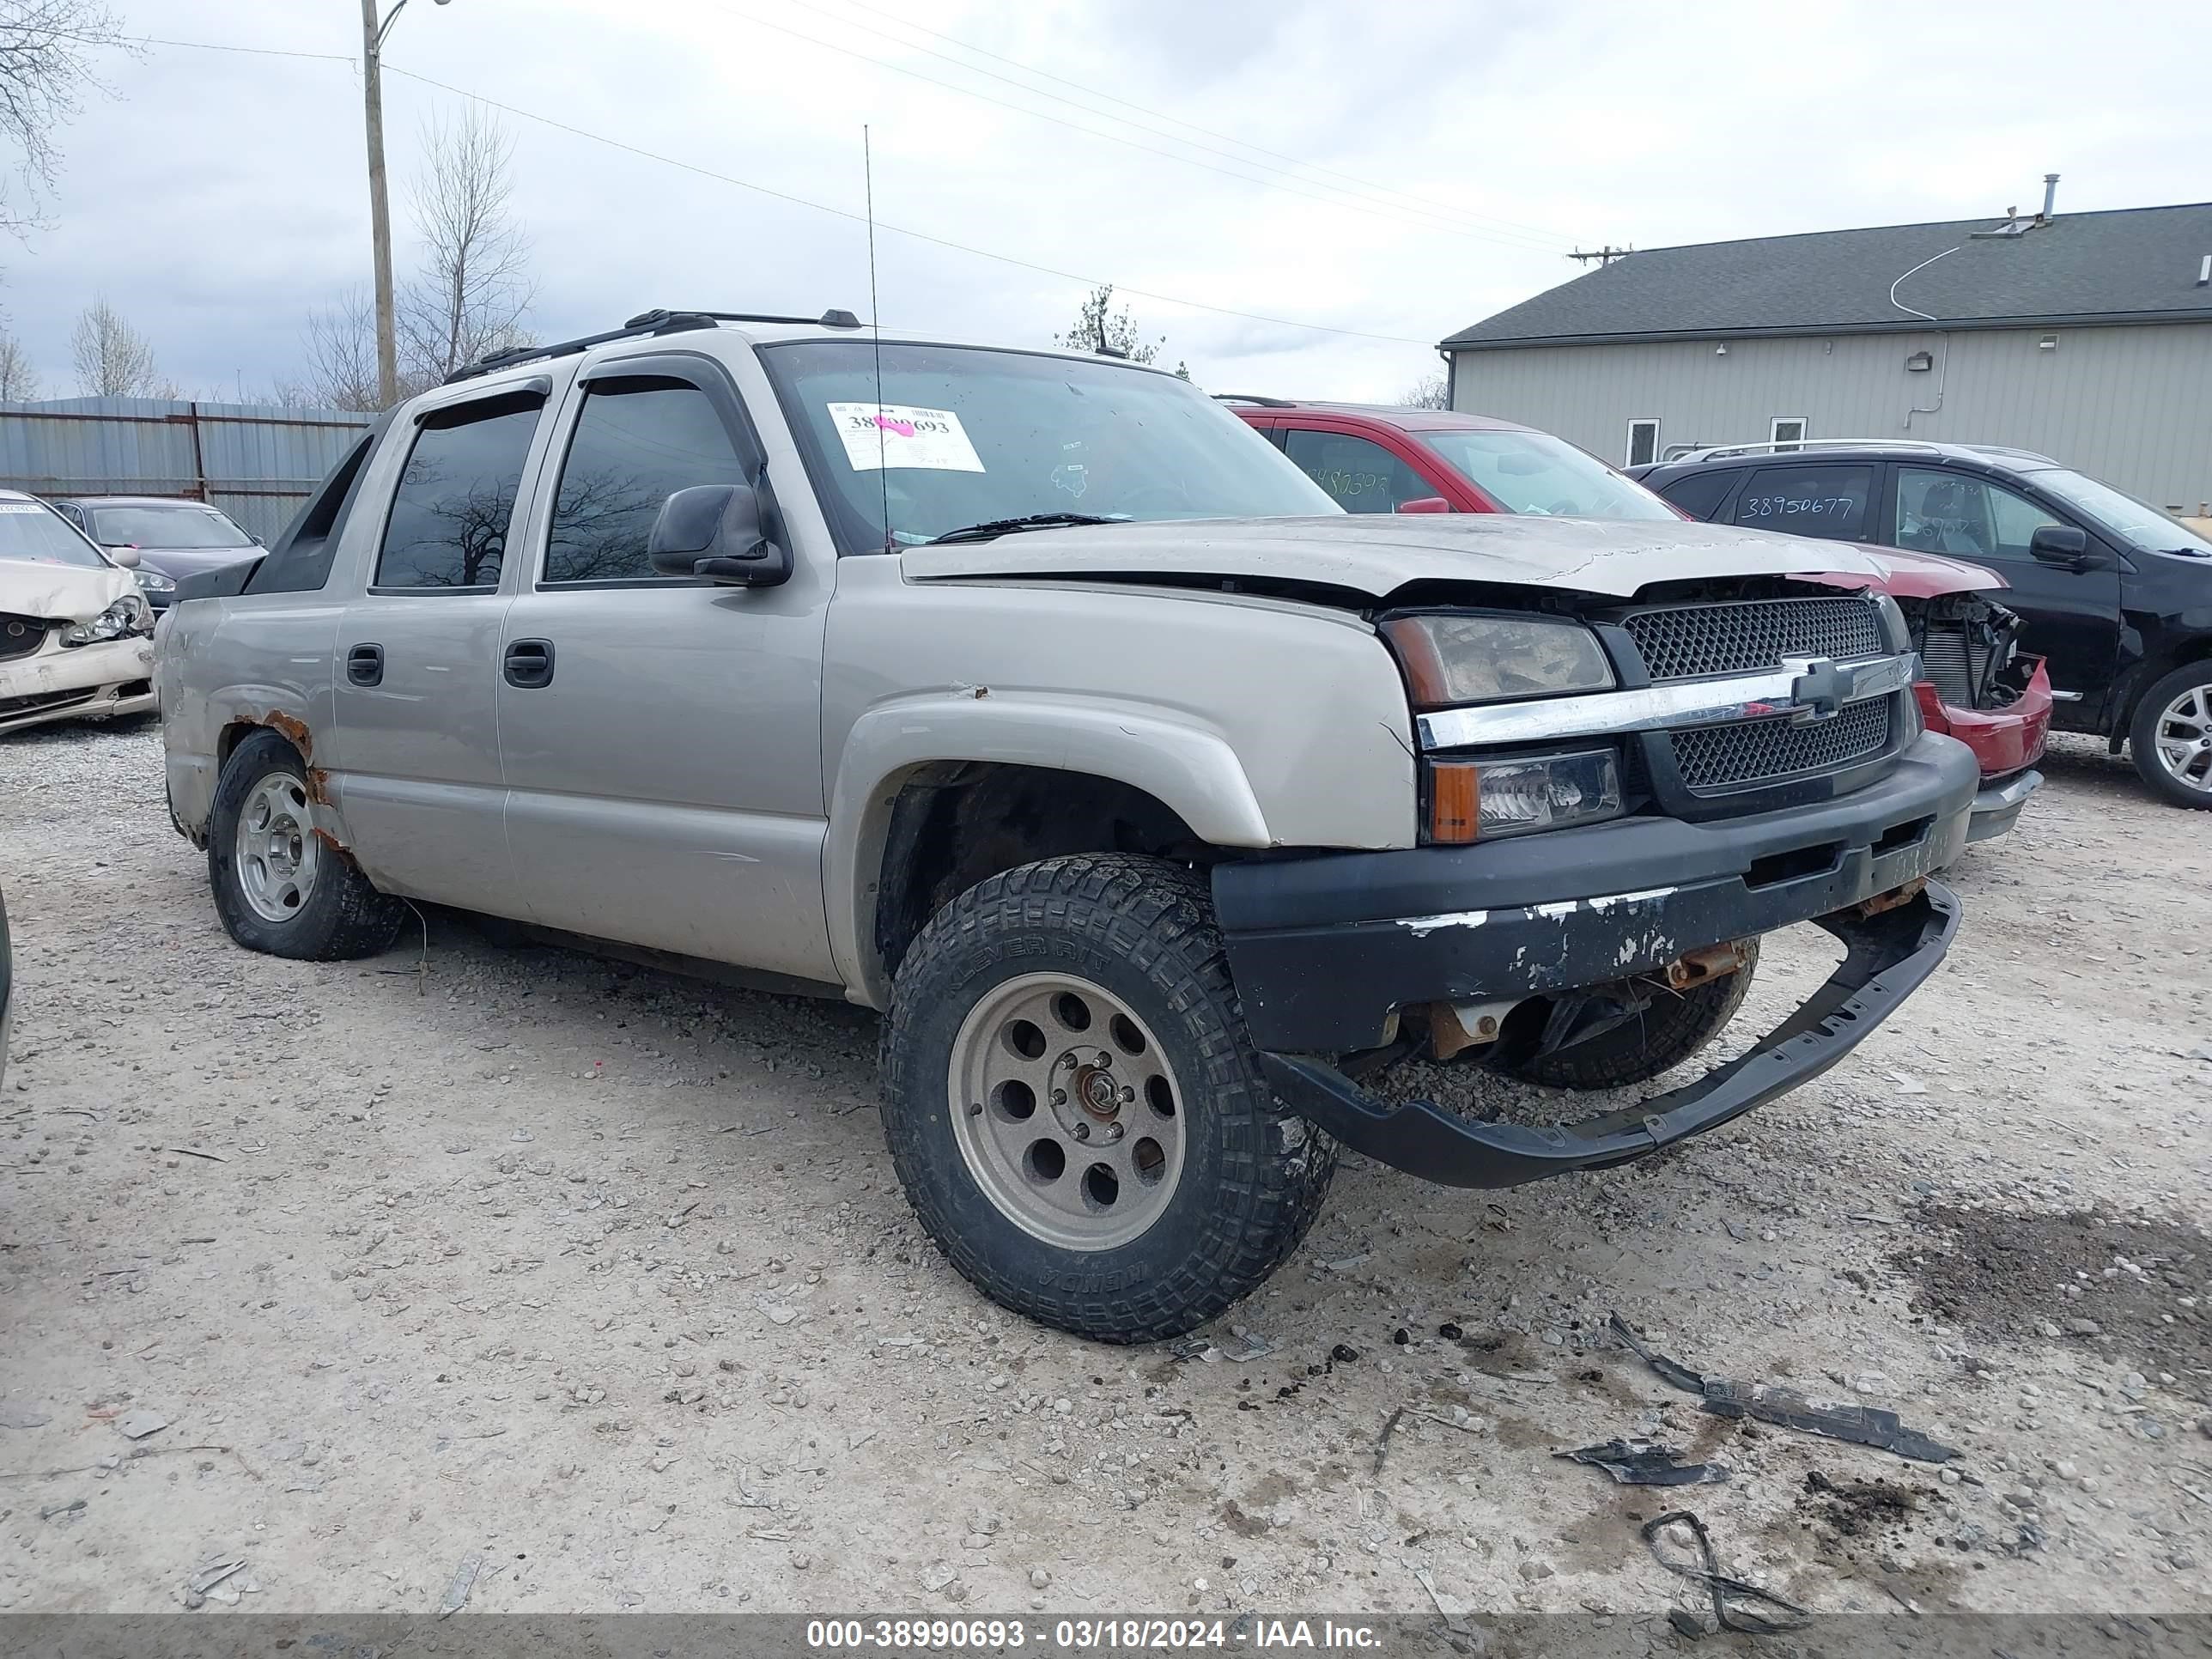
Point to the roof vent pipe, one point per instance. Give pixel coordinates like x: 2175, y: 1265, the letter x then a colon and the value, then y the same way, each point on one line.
x: 2049, y: 194
x: 2204, y: 271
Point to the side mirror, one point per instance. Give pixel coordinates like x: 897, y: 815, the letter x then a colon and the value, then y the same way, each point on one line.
x: 2061, y: 545
x: 126, y: 556
x: 1424, y: 504
x: 715, y: 530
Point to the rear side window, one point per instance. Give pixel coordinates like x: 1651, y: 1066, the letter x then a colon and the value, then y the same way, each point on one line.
x: 448, y: 524
x: 1360, y: 475
x: 1700, y: 494
x: 637, y: 443
x: 1808, y: 501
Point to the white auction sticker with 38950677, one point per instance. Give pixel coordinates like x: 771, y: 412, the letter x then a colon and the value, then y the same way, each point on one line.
x: 899, y: 434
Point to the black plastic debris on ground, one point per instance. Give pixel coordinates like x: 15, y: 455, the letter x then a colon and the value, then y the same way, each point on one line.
x: 1640, y: 1463
x: 1727, y: 1592
x: 1860, y: 1425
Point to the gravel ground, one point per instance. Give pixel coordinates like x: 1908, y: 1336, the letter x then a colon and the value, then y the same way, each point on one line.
x: 601, y: 1277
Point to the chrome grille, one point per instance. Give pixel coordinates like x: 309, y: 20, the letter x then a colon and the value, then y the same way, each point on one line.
x: 1715, y: 758
x: 1682, y: 643
x: 21, y: 635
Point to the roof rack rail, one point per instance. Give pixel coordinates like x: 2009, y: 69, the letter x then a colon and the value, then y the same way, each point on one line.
x: 659, y: 320
x: 1784, y: 445
x: 1254, y: 397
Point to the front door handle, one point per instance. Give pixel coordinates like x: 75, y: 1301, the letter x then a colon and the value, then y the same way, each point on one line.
x: 529, y: 662
x: 365, y: 665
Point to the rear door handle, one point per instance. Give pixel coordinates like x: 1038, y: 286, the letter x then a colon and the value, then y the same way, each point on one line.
x: 529, y: 662
x: 365, y: 665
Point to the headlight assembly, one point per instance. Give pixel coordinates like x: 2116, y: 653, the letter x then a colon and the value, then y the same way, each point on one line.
x: 127, y: 615
x: 1481, y: 800
x: 152, y: 581
x: 1452, y: 657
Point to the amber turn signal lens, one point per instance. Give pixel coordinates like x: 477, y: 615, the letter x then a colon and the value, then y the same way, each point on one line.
x: 1455, y: 802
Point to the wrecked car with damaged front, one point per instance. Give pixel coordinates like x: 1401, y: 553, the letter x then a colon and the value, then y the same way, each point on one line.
x: 1033, y: 699
x: 74, y: 628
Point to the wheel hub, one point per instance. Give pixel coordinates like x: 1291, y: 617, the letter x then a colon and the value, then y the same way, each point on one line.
x: 276, y: 850
x: 1067, y: 1112
x: 2184, y: 738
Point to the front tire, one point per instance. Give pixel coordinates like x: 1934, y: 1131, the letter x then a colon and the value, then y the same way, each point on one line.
x: 1675, y: 1027
x: 278, y: 887
x: 2170, y: 739
x: 1076, y: 1110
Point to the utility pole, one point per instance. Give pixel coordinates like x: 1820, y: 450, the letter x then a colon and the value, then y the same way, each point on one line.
x: 1604, y: 256
x: 380, y: 206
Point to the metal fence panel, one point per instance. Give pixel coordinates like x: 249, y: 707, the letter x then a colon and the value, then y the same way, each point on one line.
x: 256, y: 462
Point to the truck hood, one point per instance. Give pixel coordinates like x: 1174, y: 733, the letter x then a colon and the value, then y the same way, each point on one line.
x: 1376, y: 554
x: 1903, y: 576
x: 60, y: 592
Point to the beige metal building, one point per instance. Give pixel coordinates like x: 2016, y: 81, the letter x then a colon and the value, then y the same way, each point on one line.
x: 2086, y: 336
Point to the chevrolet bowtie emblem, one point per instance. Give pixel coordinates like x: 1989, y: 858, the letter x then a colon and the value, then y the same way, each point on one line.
x: 1818, y: 691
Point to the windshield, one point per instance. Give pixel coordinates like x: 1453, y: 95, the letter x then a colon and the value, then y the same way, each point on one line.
x: 963, y: 435
x: 1535, y: 472
x: 2124, y: 515
x: 31, y: 530
x: 184, y: 524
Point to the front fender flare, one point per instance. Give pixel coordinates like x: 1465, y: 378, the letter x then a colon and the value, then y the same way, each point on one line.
x: 1181, y: 761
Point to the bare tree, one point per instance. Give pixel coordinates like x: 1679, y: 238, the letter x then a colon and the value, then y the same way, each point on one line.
x: 19, y: 381
x: 45, y: 56
x: 112, y: 359
x: 1431, y: 390
x: 340, y: 371
x: 475, y: 287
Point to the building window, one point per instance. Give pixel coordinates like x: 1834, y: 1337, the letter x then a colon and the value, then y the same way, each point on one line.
x: 1788, y: 433
x: 1643, y: 442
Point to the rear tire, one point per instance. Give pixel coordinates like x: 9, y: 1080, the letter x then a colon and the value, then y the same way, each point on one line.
x: 1675, y: 1026
x: 2170, y: 739
x: 1114, y: 963
x: 279, y: 888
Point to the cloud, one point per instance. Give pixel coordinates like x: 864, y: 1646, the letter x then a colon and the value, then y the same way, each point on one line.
x: 1446, y: 158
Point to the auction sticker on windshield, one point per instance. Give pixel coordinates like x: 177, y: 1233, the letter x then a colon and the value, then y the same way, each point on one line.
x: 899, y: 434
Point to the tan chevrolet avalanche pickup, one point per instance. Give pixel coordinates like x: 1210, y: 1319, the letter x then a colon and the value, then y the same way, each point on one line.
x: 1035, y: 700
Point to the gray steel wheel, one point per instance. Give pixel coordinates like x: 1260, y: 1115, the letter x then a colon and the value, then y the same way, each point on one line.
x: 2183, y: 739
x: 277, y: 853
x: 1066, y: 1111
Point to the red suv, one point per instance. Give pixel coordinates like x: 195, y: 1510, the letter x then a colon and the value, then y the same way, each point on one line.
x: 1979, y: 690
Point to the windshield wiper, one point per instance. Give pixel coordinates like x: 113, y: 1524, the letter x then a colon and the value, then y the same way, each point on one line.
x: 990, y: 528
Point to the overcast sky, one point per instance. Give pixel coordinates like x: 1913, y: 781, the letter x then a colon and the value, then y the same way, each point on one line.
x: 1405, y: 170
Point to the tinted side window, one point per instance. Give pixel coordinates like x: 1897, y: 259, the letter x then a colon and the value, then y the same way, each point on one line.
x: 1700, y: 494
x: 456, y: 497
x: 1362, y: 476
x: 300, y: 563
x: 637, y: 443
x: 1956, y: 512
x: 1808, y: 501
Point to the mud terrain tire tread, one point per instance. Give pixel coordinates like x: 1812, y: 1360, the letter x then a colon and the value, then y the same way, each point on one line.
x: 1254, y: 1176
x: 1675, y: 1028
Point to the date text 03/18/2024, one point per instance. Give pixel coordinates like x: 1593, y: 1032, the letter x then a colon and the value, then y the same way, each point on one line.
x: 1071, y: 1636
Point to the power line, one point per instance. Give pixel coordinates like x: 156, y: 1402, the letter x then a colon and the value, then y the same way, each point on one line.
x: 193, y: 45
x: 917, y: 235
x: 783, y: 195
x: 1378, y: 209
x: 1367, y: 185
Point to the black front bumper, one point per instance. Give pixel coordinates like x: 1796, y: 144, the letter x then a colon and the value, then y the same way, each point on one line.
x: 1325, y: 949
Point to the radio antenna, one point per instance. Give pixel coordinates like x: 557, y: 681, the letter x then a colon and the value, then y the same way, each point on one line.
x: 876, y: 327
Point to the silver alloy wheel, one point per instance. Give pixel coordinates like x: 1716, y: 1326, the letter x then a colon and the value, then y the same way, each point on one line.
x: 1069, y: 1116
x: 277, y: 855
x: 2184, y: 736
